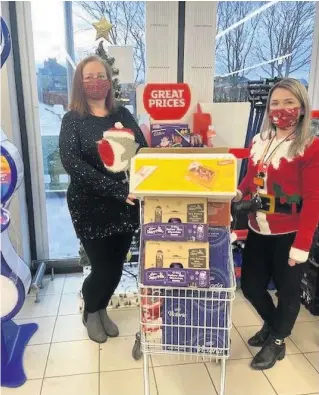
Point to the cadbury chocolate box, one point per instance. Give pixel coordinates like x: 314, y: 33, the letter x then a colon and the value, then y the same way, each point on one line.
x: 170, y: 135
x: 175, y: 210
x: 175, y: 232
x: 218, y: 213
x: 219, y: 257
x: 176, y: 264
x: 190, y: 322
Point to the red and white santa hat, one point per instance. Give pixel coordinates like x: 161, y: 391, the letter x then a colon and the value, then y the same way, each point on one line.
x: 118, y: 132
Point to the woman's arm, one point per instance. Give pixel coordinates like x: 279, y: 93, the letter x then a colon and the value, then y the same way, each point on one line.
x: 309, y: 215
x: 130, y: 123
x: 80, y: 170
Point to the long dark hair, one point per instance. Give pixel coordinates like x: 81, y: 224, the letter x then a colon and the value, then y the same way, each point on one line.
x: 78, y: 99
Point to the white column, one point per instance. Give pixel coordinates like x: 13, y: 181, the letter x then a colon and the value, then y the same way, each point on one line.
x: 31, y: 104
x: 199, y: 55
x: 314, y: 70
x: 161, y: 41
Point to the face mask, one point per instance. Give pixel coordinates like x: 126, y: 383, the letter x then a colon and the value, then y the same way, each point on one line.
x: 96, y: 89
x: 285, y: 118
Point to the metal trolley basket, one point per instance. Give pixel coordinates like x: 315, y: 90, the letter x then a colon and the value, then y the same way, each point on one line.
x: 191, y: 323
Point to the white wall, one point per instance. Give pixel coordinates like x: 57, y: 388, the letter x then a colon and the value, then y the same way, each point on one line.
x: 161, y: 41
x: 19, y: 232
x: 199, y: 59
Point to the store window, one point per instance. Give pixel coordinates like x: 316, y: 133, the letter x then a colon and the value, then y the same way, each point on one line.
x: 123, y: 46
x: 258, y: 40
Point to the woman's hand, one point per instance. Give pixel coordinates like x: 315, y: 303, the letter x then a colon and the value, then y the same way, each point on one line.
x: 293, y: 262
x: 130, y: 200
x: 238, y: 196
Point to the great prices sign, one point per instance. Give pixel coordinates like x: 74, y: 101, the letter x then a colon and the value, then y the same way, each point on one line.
x: 167, y: 101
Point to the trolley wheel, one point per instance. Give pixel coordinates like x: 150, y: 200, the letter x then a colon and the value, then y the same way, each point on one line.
x: 137, y: 351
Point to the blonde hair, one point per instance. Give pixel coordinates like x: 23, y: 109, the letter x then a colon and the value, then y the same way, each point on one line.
x: 78, y: 98
x: 303, y: 134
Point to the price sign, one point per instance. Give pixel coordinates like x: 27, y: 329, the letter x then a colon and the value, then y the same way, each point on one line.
x: 167, y: 101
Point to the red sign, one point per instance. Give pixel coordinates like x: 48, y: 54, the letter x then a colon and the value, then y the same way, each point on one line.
x: 167, y: 101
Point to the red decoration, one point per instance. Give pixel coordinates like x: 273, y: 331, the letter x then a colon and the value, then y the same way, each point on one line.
x: 106, y: 152
x: 201, y: 123
x: 167, y: 101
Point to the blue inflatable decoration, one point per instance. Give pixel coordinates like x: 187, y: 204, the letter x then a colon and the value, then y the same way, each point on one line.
x: 15, y: 278
x: 5, y: 41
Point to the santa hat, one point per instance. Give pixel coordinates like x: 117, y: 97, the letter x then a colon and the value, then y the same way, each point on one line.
x: 119, y: 132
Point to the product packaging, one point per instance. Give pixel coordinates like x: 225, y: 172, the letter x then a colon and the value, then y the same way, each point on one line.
x: 170, y: 173
x: 179, y: 264
x: 170, y: 135
x: 218, y: 213
x: 175, y: 210
x: 175, y: 232
x: 196, y: 323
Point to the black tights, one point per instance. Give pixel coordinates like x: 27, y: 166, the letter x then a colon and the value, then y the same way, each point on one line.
x: 107, y: 257
x: 266, y: 258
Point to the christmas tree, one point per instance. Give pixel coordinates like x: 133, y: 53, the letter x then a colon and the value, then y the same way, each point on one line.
x: 110, y: 61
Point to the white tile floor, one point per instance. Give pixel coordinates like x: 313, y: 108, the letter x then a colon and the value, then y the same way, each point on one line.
x: 60, y: 358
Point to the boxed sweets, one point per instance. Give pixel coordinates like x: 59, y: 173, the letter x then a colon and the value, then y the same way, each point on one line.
x: 195, y: 323
x: 170, y: 135
x: 204, y: 174
x: 179, y: 264
x: 175, y: 210
x: 218, y: 213
x: 175, y: 232
x: 219, y: 258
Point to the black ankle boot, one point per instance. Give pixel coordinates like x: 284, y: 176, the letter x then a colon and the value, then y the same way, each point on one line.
x: 259, y: 339
x: 273, y: 350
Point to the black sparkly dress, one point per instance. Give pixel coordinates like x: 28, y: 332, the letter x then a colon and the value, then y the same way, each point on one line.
x: 96, y: 197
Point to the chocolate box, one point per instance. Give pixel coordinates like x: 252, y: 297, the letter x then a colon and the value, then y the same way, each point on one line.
x: 175, y: 210
x: 180, y: 264
x: 219, y: 258
x: 195, y: 323
x: 170, y: 135
x: 175, y: 232
x: 218, y: 213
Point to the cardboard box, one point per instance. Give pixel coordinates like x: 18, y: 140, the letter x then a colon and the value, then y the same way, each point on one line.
x: 171, y: 210
x: 218, y: 213
x: 175, y: 232
x: 176, y: 264
x: 184, y: 174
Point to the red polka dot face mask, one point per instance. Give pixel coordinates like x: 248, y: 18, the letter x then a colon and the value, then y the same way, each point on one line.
x: 285, y: 118
x: 97, y: 89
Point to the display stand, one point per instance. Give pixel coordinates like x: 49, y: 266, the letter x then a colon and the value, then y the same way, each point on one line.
x: 181, y: 312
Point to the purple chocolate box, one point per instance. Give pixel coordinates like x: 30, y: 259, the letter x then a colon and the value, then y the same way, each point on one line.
x: 177, y: 231
x: 219, y: 257
x: 178, y: 278
x: 191, y: 324
x: 170, y: 135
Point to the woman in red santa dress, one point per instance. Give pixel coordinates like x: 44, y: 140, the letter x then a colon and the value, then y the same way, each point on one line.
x: 283, y: 176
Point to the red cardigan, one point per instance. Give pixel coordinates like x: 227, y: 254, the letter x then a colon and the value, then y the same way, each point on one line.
x: 289, y: 181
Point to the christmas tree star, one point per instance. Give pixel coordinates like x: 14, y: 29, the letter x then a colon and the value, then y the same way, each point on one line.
x: 103, y: 28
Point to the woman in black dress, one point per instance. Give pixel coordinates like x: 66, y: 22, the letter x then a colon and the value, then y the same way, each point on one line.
x: 97, y: 140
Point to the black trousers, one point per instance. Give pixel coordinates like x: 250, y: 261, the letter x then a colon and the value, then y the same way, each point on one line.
x: 107, y: 256
x: 266, y: 258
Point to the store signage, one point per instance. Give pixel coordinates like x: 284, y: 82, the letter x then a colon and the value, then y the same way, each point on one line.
x: 167, y: 101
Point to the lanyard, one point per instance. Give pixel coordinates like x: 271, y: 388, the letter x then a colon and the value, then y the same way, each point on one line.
x: 264, y: 163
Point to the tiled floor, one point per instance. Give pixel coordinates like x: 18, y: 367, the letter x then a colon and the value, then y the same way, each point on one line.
x: 60, y: 358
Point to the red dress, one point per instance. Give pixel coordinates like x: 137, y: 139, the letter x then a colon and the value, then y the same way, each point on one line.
x: 290, y: 195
